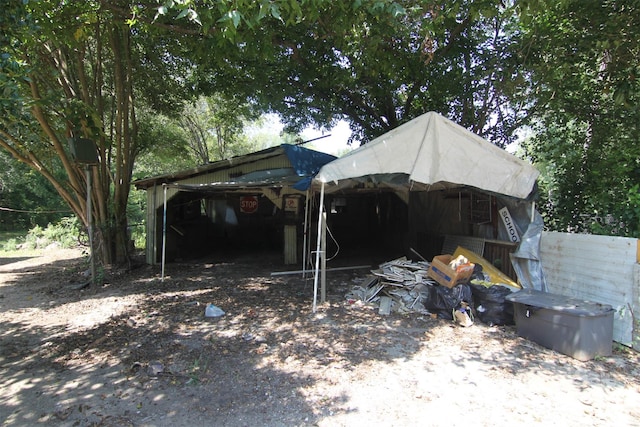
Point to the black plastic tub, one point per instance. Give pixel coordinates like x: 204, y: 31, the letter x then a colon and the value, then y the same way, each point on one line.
x: 580, y: 329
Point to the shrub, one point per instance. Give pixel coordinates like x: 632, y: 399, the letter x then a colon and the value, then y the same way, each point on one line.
x: 65, y: 233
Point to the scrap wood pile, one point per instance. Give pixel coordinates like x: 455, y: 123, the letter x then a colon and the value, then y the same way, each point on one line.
x: 404, y: 286
x: 400, y: 284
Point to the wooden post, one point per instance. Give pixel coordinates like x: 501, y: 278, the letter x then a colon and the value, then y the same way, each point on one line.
x: 90, y: 226
x: 304, y: 233
x: 164, y: 231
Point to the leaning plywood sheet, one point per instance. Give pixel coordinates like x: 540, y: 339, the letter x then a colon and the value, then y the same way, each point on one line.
x: 595, y: 268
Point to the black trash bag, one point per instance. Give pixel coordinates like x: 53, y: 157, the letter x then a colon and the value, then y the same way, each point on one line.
x: 491, y: 306
x: 442, y: 300
x: 478, y: 273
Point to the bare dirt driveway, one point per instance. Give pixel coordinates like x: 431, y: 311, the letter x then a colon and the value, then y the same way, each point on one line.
x: 139, y: 352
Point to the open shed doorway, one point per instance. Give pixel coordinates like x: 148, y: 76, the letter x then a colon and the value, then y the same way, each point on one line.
x: 369, y: 227
x: 227, y: 223
x: 375, y: 227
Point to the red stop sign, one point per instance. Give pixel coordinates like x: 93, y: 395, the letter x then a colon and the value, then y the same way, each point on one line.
x: 248, y: 204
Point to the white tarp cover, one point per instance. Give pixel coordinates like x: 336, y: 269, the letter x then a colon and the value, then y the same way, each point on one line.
x: 432, y: 149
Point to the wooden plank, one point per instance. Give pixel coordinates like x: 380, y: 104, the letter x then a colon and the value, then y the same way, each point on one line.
x: 290, y: 244
x: 385, y: 306
x: 474, y: 244
x: 354, y: 267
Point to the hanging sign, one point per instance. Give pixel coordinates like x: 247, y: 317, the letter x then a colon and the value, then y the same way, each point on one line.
x: 291, y: 204
x: 249, y: 204
x: 509, y: 225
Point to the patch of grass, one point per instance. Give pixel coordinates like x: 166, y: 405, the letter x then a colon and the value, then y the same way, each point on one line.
x: 196, y: 370
x: 31, y: 242
x: 620, y: 348
x: 12, y: 244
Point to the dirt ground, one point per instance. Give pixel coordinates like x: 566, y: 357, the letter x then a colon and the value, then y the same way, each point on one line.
x: 138, y: 351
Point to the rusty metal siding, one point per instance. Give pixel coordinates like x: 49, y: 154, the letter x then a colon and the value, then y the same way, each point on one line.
x: 594, y: 268
x: 498, y: 254
x: 236, y: 171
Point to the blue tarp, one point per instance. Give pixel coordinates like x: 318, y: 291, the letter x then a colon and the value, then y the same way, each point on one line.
x: 306, y: 163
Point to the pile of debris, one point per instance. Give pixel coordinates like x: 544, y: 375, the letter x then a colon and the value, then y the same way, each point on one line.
x: 404, y: 286
x: 400, y: 285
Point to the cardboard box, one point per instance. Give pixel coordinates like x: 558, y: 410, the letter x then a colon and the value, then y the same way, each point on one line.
x: 580, y: 329
x: 445, y: 275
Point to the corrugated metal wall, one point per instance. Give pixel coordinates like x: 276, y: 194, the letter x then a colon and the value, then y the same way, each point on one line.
x: 595, y: 268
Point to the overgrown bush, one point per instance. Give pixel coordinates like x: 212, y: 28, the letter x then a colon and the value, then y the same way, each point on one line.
x: 10, y: 245
x: 64, y: 233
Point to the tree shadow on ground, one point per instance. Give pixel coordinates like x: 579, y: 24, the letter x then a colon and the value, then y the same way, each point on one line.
x: 11, y: 260
x: 160, y: 361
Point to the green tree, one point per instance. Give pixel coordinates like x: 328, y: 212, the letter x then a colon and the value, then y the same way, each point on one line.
x: 377, y: 64
x: 583, y: 59
x: 164, y: 144
x: 84, y: 69
x: 215, y: 125
x: 27, y: 199
x: 75, y: 80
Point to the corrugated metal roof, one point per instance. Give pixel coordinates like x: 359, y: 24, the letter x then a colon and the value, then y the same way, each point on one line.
x: 256, y: 179
x: 299, y: 160
x: 210, y: 168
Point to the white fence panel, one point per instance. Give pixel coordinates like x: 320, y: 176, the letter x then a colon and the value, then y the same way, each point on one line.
x: 594, y: 268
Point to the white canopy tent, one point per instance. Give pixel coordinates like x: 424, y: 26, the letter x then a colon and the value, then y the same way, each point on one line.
x: 428, y: 153
x: 433, y: 151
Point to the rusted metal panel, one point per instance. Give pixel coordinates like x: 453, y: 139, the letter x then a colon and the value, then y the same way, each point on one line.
x: 228, y: 164
x: 594, y: 268
x: 498, y: 254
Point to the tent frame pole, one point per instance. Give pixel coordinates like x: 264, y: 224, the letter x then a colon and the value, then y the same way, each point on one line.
x: 318, y: 253
x: 323, y: 261
x: 304, y: 235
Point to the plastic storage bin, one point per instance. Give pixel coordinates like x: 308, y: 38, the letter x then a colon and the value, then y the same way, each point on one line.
x: 580, y: 329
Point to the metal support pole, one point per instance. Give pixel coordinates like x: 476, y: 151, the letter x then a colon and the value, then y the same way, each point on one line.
x: 304, y: 233
x: 315, y: 280
x: 323, y: 260
x: 90, y: 225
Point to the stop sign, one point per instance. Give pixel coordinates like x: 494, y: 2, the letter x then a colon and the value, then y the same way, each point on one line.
x: 248, y: 204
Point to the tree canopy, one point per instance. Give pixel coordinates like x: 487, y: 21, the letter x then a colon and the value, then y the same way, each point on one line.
x: 376, y: 65
x: 79, y: 70
x: 583, y: 56
x: 93, y: 69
